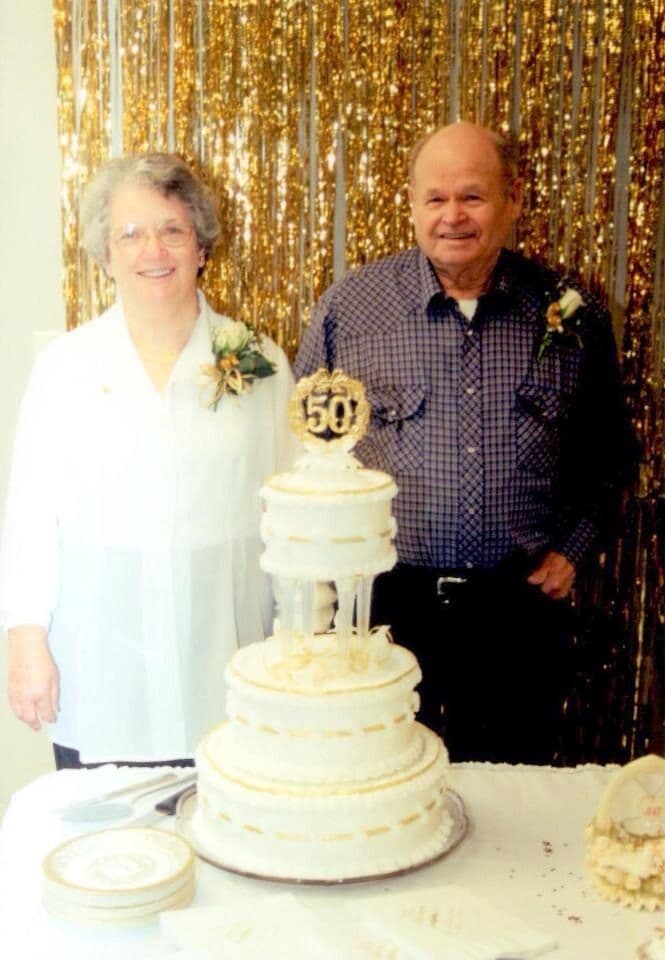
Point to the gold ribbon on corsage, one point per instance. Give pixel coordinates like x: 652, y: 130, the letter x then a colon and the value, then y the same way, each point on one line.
x: 238, y: 360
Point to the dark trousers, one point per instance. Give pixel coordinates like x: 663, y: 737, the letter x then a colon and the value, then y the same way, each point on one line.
x: 495, y: 656
x: 68, y: 759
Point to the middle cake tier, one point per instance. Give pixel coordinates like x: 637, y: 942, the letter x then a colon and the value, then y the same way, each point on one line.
x: 321, y: 714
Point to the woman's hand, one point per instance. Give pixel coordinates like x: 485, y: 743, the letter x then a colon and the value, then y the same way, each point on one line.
x: 33, y: 682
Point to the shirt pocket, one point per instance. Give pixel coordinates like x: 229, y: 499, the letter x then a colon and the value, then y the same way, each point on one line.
x: 538, y: 416
x: 396, y: 438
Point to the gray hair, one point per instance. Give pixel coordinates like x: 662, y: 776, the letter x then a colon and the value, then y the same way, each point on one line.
x: 165, y: 172
x: 506, y: 146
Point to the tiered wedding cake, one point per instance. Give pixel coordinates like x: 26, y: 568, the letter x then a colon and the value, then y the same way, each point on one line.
x: 321, y: 772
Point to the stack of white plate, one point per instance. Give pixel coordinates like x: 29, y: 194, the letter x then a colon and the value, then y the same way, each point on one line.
x: 120, y: 876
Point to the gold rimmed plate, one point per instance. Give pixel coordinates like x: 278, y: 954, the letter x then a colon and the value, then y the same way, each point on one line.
x: 453, y: 805
x: 121, y: 866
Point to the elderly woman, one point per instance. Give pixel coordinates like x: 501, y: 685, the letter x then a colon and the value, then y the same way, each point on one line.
x: 129, y: 562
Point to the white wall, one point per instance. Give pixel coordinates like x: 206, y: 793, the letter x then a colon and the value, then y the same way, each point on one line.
x: 30, y: 270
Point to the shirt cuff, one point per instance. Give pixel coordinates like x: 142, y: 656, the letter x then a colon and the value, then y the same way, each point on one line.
x: 19, y: 615
x: 577, y: 543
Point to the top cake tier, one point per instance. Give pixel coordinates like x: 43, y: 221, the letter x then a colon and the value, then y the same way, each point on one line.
x: 328, y: 518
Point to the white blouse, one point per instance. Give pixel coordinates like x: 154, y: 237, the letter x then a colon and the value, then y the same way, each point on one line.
x: 132, y: 534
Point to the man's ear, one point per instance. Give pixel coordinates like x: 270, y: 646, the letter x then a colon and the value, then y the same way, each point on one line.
x: 411, y: 196
x: 516, y: 193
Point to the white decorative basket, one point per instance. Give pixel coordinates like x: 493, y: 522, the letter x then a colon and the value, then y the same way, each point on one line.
x: 626, y: 840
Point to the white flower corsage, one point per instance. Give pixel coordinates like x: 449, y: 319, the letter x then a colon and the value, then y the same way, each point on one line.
x: 238, y: 360
x: 556, y: 325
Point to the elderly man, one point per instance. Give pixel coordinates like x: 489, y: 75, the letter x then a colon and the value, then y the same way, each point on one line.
x: 496, y: 406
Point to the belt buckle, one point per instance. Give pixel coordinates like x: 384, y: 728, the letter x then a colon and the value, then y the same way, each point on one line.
x: 443, y: 585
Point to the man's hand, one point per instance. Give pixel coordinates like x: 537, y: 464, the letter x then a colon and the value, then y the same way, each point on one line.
x: 33, y: 681
x: 555, y: 575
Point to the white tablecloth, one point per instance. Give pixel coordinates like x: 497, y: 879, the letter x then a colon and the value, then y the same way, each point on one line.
x: 524, y: 853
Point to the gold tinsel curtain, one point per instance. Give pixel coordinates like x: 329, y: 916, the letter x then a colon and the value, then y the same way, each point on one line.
x: 301, y: 115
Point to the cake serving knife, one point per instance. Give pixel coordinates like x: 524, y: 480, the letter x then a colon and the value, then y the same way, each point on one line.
x: 96, y: 811
x: 163, y: 808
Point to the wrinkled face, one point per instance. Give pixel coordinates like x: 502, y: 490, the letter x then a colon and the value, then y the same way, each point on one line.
x: 461, y: 204
x: 154, y: 256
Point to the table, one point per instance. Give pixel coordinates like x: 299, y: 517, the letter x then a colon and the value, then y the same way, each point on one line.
x: 524, y: 853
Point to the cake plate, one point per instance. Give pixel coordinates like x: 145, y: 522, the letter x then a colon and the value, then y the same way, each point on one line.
x: 186, y: 808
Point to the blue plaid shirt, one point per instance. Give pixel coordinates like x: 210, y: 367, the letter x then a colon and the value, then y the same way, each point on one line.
x: 493, y: 450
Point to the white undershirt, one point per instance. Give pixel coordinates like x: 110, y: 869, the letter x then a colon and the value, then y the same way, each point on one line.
x: 468, y: 307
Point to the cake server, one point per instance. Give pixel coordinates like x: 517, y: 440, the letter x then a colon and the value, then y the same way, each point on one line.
x: 163, y: 808
x: 122, y: 791
x: 98, y: 810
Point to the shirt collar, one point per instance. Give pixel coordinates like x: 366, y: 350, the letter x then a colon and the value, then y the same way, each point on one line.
x: 198, y: 349
x: 501, y: 283
x: 429, y: 282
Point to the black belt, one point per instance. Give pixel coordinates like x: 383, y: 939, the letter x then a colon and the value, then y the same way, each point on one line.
x: 445, y: 582
x: 448, y: 586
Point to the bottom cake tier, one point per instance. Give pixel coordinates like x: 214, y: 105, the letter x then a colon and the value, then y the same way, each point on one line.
x: 322, y: 831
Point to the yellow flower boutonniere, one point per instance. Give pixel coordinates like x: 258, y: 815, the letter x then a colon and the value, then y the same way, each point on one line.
x: 238, y: 360
x: 556, y: 325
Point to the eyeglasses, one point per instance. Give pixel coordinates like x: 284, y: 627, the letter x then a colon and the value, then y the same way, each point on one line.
x: 171, y: 234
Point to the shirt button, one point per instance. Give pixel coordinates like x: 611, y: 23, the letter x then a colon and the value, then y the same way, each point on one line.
x: 471, y: 510
x: 469, y: 332
x: 470, y: 390
x: 468, y: 565
x: 471, y: 449
x: 392, y: 414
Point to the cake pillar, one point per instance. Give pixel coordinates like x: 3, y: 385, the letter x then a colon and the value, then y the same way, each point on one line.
x: 346, y: 593
x: 286, y: 610
x: 363, y: 605
x: 307, y: 612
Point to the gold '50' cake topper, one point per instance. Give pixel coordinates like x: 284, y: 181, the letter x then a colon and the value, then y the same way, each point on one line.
x: 329, y: 408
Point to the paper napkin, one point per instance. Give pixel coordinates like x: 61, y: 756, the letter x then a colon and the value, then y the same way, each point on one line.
x: 427, y: 924
x: 449, y: 922
x: 245, y: 928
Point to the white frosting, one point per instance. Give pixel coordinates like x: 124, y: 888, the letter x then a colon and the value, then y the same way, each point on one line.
x: 626, y: 869
x: 321, y: 771
x: 328, y: 518
x: 322, y: 831
x: 653, y: 949
x: 322, y: 774
x: 289, y: 727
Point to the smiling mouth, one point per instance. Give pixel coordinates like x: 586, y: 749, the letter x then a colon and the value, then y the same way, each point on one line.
x: 156, y: 274
x: 457, y: 236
